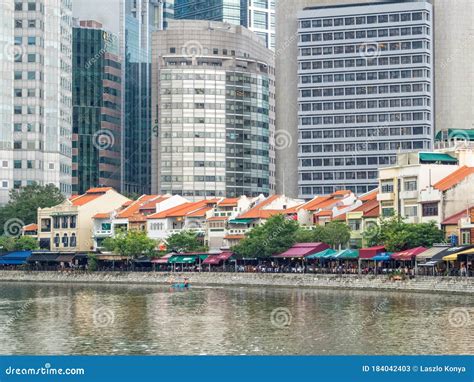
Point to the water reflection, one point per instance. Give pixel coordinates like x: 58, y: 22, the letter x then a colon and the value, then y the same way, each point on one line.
x: 78, y: 319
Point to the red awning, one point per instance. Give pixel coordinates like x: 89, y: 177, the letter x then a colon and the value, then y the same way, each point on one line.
x: 217, y: 259
x: 409, y: 254
x: 303, y: 250
x: 368, y: 253
x: 162, y: 260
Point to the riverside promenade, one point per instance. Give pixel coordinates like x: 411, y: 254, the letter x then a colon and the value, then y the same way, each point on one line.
x: 461, y: 285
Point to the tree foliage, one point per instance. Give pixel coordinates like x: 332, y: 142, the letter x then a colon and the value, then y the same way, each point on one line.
x: 24, y: 204
x: 336, y: 234
x: 185, y: 241
x: 22, y: 243
x: 131, y: 244
x: 276, y: 235
x: 397, y: 235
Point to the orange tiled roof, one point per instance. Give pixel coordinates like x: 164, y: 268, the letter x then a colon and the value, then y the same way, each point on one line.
x: 454, y: 219
x: 151, y: 205
x: 369, y: 209
x: 323, y: 213
x: 229, y: 202
x: 454, y: 178
x: 234, y: 237
x: 89, y: 196
x: 371, y: 195
x: 340, y: 192
x: 314, y: 204
x: 136, y: 218
x: 340, y: 217
x: 102, y: 216
x: 258, y: 212
x: 201, y: 212
x: 135, y: 206
x: 183, y: 209
x: 30, y: 227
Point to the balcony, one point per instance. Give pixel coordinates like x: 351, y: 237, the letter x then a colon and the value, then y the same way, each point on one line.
x: 409, y: 195
x: 386, y: 196
x: 102, y: 233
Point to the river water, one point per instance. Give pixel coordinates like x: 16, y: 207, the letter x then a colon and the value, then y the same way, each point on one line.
x: 115, y: 319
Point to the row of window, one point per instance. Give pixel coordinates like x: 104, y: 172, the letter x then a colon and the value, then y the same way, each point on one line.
x: 361, y: 20
x: 365, y: 118
x: 361, y: 62
x: 370, y: 50
x: 31, y: 23
x: 30, y: 75
x: 28, y: 6
x: 231, y: 123
x: 362, y: 90
x: 233, y: 78
x: 326, y: 190
x: 214, y: 149
x: 17, y: 184
x: 67, y: 221
x: 347, y: 175
x: 65, y: 240
x: 363, y: 146
x: 235, y: 165
x: 213, y: 91
x: 362, y: 34
x: 341, y: 77
x: 191, y: 178
x: 348, y: 161
x: 366, y: 132
x: 19, y: 110
x: 371, y: 104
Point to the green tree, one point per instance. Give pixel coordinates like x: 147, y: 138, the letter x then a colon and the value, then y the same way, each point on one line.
x: 22, y: 243
x: 26, y: 243
x: 314, y: 235
x: 131, y: 244
x: 336, y: 234
x: 276, y: 235
x: 185, y: 241
x: 397, y: 235
x: 24, y: 203
x: 92, y: 263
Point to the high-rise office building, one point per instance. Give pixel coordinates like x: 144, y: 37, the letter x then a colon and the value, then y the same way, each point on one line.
x: 133, y: 23
x: 35, y: 94
x: 213, y: 109
x: 96, y: 101
x: 365, y: 92
x: 256, y: 15
x: 452, y: 62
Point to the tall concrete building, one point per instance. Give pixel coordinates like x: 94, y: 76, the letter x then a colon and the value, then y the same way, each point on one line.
x: 453, y: 77
x: 133, y: 21
x: 96, y: 100
x: 365, y: 84
x: 35, y: 94
x: 213, y: 109
x: 256, y: 15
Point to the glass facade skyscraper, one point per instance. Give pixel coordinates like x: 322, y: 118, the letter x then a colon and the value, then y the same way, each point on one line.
x: 213, y: 109
x: 35, y: 94
x: 365, y: 92
x: 96, y: 102
x: 256, y: 15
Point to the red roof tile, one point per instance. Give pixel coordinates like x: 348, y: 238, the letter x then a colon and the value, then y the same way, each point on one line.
x: 234, y: 237
x: 258, y: 212
x: 454, y: 178
x: 135, y: 206
x: 184, y: 209
x: 90, y: 195
x: 218, y: 218
x: 102, y: 216
x: 30, y: 227
x: 369, y: 209
x: 454, y: 219
x: 314, y: 204
x: 229, y: 202
x: 371, y: 195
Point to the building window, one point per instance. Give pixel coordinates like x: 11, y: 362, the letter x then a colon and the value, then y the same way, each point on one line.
x: 56, y: 240
x: 387, y: 187
x: 73, y: 240
x: 65, y: 240
x: 430, y: 209
x: 410, y: 185
x: 466, y: 237
x: 411, y: 211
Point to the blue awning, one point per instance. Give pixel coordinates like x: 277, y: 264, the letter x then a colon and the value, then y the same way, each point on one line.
x: 381, y: 257
x: 15, y: 258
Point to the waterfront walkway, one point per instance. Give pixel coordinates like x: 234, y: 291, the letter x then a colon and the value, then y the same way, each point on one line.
x: 439, y: 284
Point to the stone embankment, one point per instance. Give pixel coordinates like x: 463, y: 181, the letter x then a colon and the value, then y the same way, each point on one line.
x: 419, y: 284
